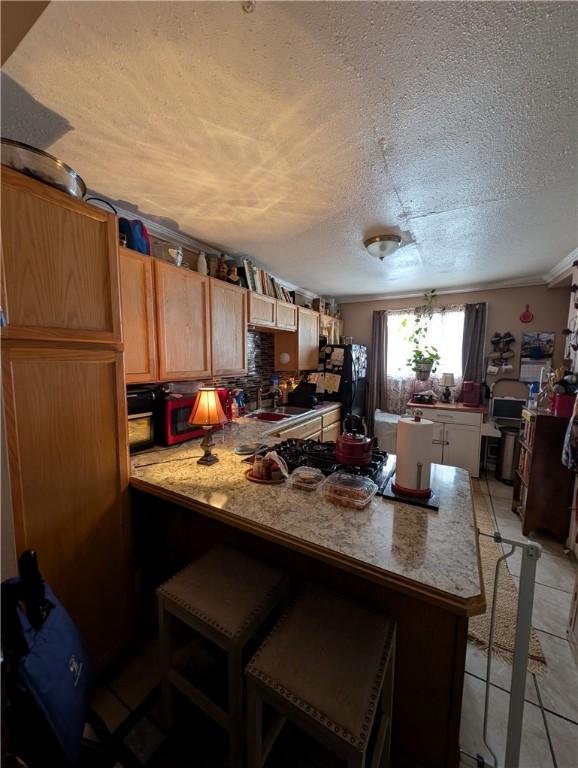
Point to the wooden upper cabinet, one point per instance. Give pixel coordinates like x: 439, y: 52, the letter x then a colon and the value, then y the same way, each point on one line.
x: 138, y: 317
x: 308, y: 339
x: 286, y: 316
x: 299, y: 351
x: 228, y: 328
x: 183, y: 323
x: 65, y: 417
x: 262, y: 310
x: 59, y: 265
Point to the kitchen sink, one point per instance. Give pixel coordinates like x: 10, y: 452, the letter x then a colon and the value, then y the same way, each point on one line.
x: 269, y: 416
x: 279, y: 413
x: 289, y: 410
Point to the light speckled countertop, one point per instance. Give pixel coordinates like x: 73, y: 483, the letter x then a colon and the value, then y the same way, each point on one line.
x: 433, y: 554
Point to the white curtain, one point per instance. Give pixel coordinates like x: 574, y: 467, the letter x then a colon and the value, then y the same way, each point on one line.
x: 445, y: 333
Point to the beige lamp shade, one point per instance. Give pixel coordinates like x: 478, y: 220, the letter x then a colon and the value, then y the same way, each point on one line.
x: 447, y: 380
x: 207, y: 410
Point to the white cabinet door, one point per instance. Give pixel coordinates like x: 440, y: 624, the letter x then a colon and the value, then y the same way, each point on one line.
x: 437, y: 455
x: 462, y: 447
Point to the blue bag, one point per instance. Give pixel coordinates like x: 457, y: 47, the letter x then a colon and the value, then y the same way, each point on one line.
x: 137, y: 237
x: 54, y: 670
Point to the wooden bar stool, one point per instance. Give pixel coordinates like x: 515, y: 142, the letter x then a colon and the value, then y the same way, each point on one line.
x: 225, y: 596
x: 328, y: 667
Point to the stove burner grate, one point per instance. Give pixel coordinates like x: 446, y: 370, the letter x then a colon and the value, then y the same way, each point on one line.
x: 311, y: 453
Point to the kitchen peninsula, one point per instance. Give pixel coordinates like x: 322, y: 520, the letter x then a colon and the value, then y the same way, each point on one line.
x: 420, y: 567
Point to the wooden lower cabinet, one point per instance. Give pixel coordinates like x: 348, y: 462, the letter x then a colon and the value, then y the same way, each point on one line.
x: 462, y: 447
x: 456, y: 438
x: 543, y: 487
x: 65, y: 420
x: 228, y: 329
x: 437, y: 455
x: 183, y: 323
x: 331, y: 433
x: 310, y: 429
x: 138, y: 316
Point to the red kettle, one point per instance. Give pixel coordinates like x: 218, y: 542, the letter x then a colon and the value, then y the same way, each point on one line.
x: 353, y: 446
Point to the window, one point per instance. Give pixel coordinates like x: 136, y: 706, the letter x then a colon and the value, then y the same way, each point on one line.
x: 445, y: 333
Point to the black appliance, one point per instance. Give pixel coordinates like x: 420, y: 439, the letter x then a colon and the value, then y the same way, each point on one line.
x: 349, y: 362
x: 141, y: 406
x: 421, y: 399
x: 310, y: 453
x: 303, y: 394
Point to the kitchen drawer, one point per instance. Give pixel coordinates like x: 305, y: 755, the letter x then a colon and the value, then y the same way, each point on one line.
x: 473, y: 419
x: 331, y: 433
x: 331, y: 418
x: 303, y: 430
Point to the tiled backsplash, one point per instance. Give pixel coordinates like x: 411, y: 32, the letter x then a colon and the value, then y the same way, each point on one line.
x: 260, y: 359
x: 261, y: 356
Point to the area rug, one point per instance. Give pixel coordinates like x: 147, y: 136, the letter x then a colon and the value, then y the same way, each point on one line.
x: 507, y: 596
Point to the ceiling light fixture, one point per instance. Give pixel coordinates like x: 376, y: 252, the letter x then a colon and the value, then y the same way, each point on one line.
x: 381, y: 246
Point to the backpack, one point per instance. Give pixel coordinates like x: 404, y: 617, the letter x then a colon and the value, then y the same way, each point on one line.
x: 47, y: 682
x: 137, y: 237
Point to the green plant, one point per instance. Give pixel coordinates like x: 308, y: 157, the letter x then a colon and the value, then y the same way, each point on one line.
x: 423, y: 355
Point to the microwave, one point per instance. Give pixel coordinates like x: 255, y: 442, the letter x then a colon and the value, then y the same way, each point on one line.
x: 173, y: 417
x: 141, y: 407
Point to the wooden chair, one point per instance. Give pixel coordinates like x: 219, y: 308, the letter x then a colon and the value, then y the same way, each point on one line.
x: 328, y: 667
x: 225, y: 596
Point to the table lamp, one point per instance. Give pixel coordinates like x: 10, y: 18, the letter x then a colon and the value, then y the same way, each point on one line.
x: 447, y: 381
x: 207, y: 413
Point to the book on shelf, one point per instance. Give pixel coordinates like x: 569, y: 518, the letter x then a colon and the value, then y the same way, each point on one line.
x: 246, y: 274
x: 277, y: 289
x: 523, y: 499
x: 249, y: 276
x: 262, y: 282
x: 527, y: 435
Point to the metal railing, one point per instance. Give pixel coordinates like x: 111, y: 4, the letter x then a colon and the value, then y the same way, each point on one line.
x: 531, y: 553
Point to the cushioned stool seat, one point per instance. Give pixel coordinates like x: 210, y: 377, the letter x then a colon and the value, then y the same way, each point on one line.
x: 324, y: 666
x: 224, y: 596
x: 226, y: 590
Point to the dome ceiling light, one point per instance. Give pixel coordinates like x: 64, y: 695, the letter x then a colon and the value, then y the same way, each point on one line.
x: 381, y: 246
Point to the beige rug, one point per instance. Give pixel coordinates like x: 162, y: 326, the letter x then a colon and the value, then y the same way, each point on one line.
x: 507, y: 597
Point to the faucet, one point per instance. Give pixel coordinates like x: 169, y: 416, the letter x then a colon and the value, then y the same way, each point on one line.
x: 274, y: 392
x: 277, y: 395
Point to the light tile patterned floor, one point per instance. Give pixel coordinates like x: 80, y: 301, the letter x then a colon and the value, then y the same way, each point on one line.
x: 550, y: 732
x: 129, y: 706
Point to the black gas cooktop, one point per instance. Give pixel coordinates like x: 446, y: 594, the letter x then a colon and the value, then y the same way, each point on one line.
x: 310, y: 453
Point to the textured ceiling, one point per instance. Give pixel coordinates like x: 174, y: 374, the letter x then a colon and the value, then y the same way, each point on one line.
x: 293, y: 132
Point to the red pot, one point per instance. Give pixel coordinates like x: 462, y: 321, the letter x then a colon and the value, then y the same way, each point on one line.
x: 353, y: 447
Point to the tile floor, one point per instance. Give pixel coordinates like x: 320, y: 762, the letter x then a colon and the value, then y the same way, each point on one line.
x: 129, y: 708
x: 550, y: 731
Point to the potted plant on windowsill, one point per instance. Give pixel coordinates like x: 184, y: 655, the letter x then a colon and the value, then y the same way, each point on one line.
x: 424, y: 358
